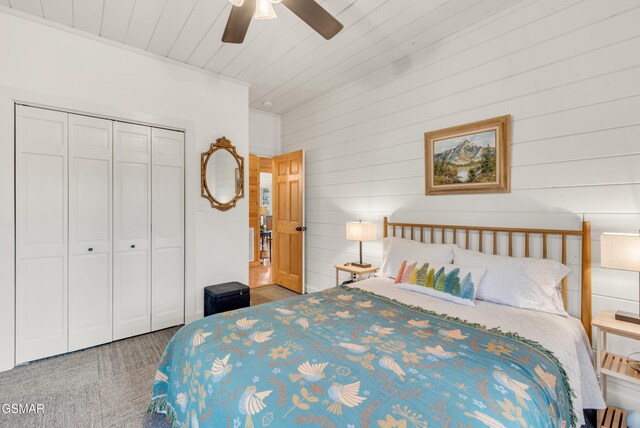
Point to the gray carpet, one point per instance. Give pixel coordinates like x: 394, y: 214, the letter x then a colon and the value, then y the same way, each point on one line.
x: 269, y: 293
x: 105, y: 386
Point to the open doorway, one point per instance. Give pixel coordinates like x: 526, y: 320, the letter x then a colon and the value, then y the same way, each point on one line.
x: 261, y: 220
x: 276, y: 199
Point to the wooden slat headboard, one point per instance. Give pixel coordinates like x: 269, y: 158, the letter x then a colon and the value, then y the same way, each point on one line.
x: 416, y: 231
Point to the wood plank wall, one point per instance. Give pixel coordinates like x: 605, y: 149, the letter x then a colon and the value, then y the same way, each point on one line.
x: 566, y: 70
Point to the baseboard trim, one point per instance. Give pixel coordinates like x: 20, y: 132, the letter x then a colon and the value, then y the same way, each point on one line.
x: 313, y: 289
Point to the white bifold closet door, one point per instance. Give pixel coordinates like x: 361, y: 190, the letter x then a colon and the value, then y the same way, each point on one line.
x: 131, y: 230
x: 90, y: 248
x: 90, y: 265
x: 41, y: 233
x: 167, y: 265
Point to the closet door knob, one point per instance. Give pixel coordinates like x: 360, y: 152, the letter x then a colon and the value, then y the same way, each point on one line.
x: 133, y: 245
x: 90, y: 249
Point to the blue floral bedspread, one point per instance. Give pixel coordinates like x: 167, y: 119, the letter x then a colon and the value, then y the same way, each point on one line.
x: 346, y: 358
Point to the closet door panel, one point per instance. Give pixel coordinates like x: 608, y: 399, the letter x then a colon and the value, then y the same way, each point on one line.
x: 132, y: 230
x: 134, y: 207
x: 168, y: 229
x: 90, y: 244
x: 42, y: 318
x: 167, y: 207
x: 90, y: 202
x: 90, y: 301
x: 132, y: 295
x: 168, y: 292
x: 43, y: 201
x: 41, y: 233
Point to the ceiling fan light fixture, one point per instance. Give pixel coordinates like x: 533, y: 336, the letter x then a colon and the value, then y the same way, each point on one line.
x: 264, y: 10
x: 309, y: 11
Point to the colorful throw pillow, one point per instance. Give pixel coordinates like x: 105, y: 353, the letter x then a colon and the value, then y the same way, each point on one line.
x: 457, y: 284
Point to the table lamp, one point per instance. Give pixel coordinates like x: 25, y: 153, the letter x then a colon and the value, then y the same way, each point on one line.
x: 622, y: 251
x: 263, y: 214
x: 361, y: 231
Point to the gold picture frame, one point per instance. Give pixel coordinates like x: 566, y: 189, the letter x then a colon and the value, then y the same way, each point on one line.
x: 468, y: 159
x: 238, y: 175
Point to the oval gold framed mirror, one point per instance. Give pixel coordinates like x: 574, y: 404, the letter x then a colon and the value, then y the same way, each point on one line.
x: 222, y: 175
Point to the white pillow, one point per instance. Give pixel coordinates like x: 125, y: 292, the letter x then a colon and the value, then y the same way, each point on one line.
x: 396, y: 250
x: 457, y: 284
x: 526, y: 283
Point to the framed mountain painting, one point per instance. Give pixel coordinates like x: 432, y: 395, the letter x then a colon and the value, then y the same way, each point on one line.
x: 471, y: 158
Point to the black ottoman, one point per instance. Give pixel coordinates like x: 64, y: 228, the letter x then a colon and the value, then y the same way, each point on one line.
x: 225, y: 297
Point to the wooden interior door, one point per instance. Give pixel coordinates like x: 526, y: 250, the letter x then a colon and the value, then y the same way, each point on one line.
x: 288, y: 221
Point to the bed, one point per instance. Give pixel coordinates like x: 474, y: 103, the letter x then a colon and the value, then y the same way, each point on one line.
x: 374, y: 355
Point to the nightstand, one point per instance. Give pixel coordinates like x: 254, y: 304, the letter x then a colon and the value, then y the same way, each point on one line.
x: 609, y: 364
x: 355, y: 271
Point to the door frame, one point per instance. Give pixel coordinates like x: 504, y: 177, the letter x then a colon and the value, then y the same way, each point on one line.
x: 254, y: 161
x: 264, y: 164
x: 304, y: 213
x: 9, y: 99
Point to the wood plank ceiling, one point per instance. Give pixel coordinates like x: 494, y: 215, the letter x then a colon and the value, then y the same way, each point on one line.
x: 285, y: 61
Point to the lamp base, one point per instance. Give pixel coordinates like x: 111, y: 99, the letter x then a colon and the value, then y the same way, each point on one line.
x: 360, y: 265
x: 627, y: 317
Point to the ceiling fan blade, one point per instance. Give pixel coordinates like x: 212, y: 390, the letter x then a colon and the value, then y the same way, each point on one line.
x: 238, y: 23
x: 315, y: 16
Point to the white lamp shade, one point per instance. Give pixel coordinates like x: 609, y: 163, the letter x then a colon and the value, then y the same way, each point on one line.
x: 264, y: 10
x: 361, y: 231
x: 237, y: 2
x: 620, y: 251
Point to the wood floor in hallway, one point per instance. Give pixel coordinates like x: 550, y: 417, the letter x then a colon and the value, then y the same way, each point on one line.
x: 260, y: 275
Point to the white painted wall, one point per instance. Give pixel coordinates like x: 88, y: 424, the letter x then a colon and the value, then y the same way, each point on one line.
x: 568, y: 73
x: 264, y: 134
x: 45, y: 65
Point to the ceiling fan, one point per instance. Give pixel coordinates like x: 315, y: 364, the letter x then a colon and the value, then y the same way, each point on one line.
x: 307, y: 10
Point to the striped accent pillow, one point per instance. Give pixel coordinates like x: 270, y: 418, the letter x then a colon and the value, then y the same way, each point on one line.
x: 450, y: 282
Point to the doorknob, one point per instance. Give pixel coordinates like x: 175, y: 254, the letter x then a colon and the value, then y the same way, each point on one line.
x: 301, y: 229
